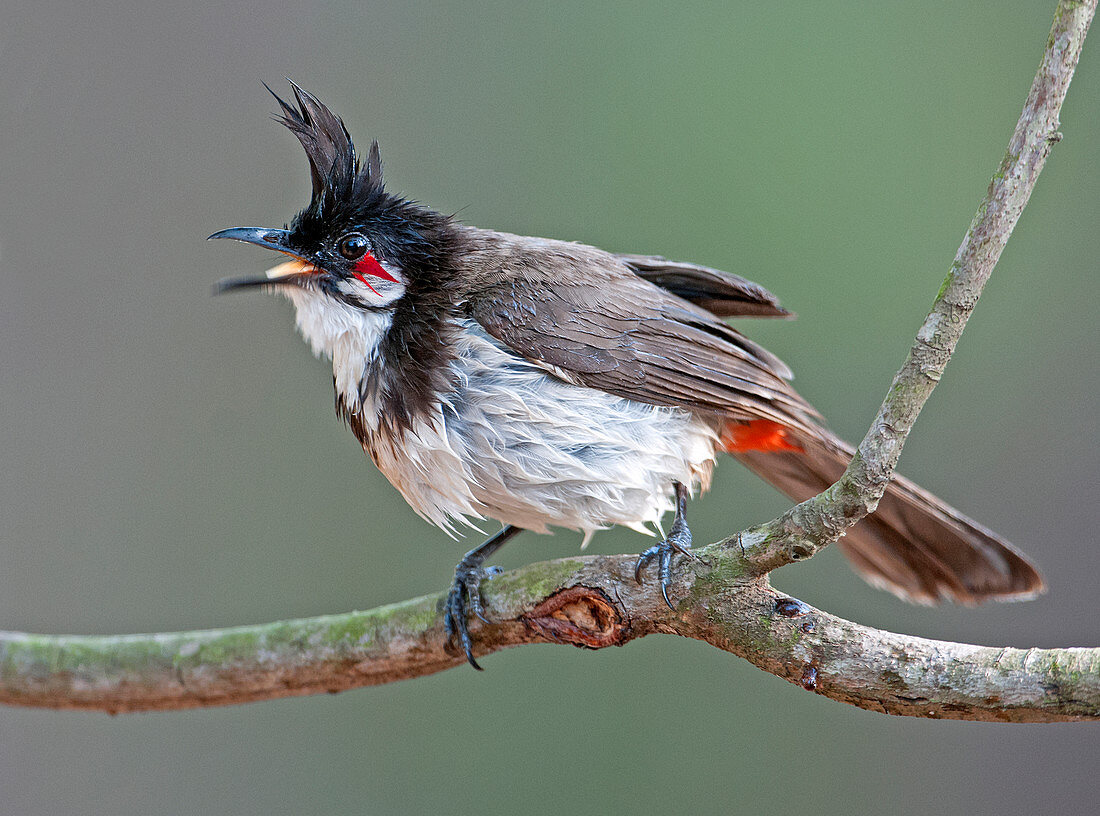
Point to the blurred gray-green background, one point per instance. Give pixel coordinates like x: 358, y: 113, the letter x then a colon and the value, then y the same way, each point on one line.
x: 170, y: 460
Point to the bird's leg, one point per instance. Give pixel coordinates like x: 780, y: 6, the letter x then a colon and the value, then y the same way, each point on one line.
x: 465, y: 596
x: 678, y: 540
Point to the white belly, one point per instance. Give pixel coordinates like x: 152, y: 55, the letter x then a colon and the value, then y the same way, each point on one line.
x: 515, y: 444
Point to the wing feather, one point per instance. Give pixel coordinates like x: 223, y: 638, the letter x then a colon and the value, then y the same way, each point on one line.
x: 594, y: 317
x: 721, y: 293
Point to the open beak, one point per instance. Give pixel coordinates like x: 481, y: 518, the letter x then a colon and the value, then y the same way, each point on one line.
x: 290, y: 272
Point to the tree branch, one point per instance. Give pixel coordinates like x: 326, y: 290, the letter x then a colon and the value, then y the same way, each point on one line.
x: 817, y: 522
x: 591, y: 602
x: 594, y: 601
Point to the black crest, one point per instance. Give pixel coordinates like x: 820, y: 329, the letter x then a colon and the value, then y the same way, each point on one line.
x: 420, y: 343
x: 333, y: 163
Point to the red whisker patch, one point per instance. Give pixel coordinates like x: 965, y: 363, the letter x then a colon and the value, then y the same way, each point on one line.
x: 368, y: 265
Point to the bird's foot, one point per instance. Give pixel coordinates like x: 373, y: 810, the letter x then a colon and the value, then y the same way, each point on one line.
x: 465, y: 594
x: 463, y: 600
x: 677, y: 541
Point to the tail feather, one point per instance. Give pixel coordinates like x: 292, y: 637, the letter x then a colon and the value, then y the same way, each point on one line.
x: 913, y: 545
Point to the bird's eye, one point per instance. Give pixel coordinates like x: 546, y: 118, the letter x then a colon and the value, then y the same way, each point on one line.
x: 353, y: 246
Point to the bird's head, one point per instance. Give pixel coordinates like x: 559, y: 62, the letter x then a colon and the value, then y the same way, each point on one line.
x: 372, y: 275
x: 355, y: 245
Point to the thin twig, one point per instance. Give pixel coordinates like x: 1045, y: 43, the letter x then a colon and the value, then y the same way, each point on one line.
x: 821, y: 520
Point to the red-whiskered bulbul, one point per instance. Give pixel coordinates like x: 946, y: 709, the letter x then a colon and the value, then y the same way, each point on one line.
x: 544, y: 383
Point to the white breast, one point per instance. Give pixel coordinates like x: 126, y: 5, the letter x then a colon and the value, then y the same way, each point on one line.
x: 513, y: 443
x: 344, y: 334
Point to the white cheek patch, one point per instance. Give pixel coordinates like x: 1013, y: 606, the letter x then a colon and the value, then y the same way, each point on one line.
x: 372, y: 290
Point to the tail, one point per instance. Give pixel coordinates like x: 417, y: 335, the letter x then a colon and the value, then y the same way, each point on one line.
x: 913, y: 545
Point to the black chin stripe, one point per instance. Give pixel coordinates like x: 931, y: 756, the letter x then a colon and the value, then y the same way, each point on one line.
x: 355, y: 303
x: 330, y: 288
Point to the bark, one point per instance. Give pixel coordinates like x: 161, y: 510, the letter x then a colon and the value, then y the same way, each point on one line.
x: 724, y: 598
x: 591, y: 602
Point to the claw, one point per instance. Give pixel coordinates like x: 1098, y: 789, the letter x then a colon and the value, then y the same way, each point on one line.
x: 677, y: 541
x: 463, y: 600
x: 643, y: 561
x: 664, y: 594
x: 475, y: 598
x: 454, y: 619
x: 464, y: 597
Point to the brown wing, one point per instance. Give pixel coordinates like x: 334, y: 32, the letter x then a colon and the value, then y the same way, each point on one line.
x: 597, y: 321
x: 720, y: 293
x: 586, y: 315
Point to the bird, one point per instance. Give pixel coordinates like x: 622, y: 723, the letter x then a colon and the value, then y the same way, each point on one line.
x: 551, y: 384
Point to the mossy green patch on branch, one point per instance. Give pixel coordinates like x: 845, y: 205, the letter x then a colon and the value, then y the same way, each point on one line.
x: 45, y: 655
x: 946, y: 282
x: 722, y: 571
x: 532, y: 583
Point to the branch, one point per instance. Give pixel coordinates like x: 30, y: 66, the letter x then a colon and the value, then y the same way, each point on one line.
x: 591, y: 602
x: 817, y: 522
x: 726, y: 598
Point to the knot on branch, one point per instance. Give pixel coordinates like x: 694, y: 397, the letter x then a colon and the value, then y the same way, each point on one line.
x: 580, y: 615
